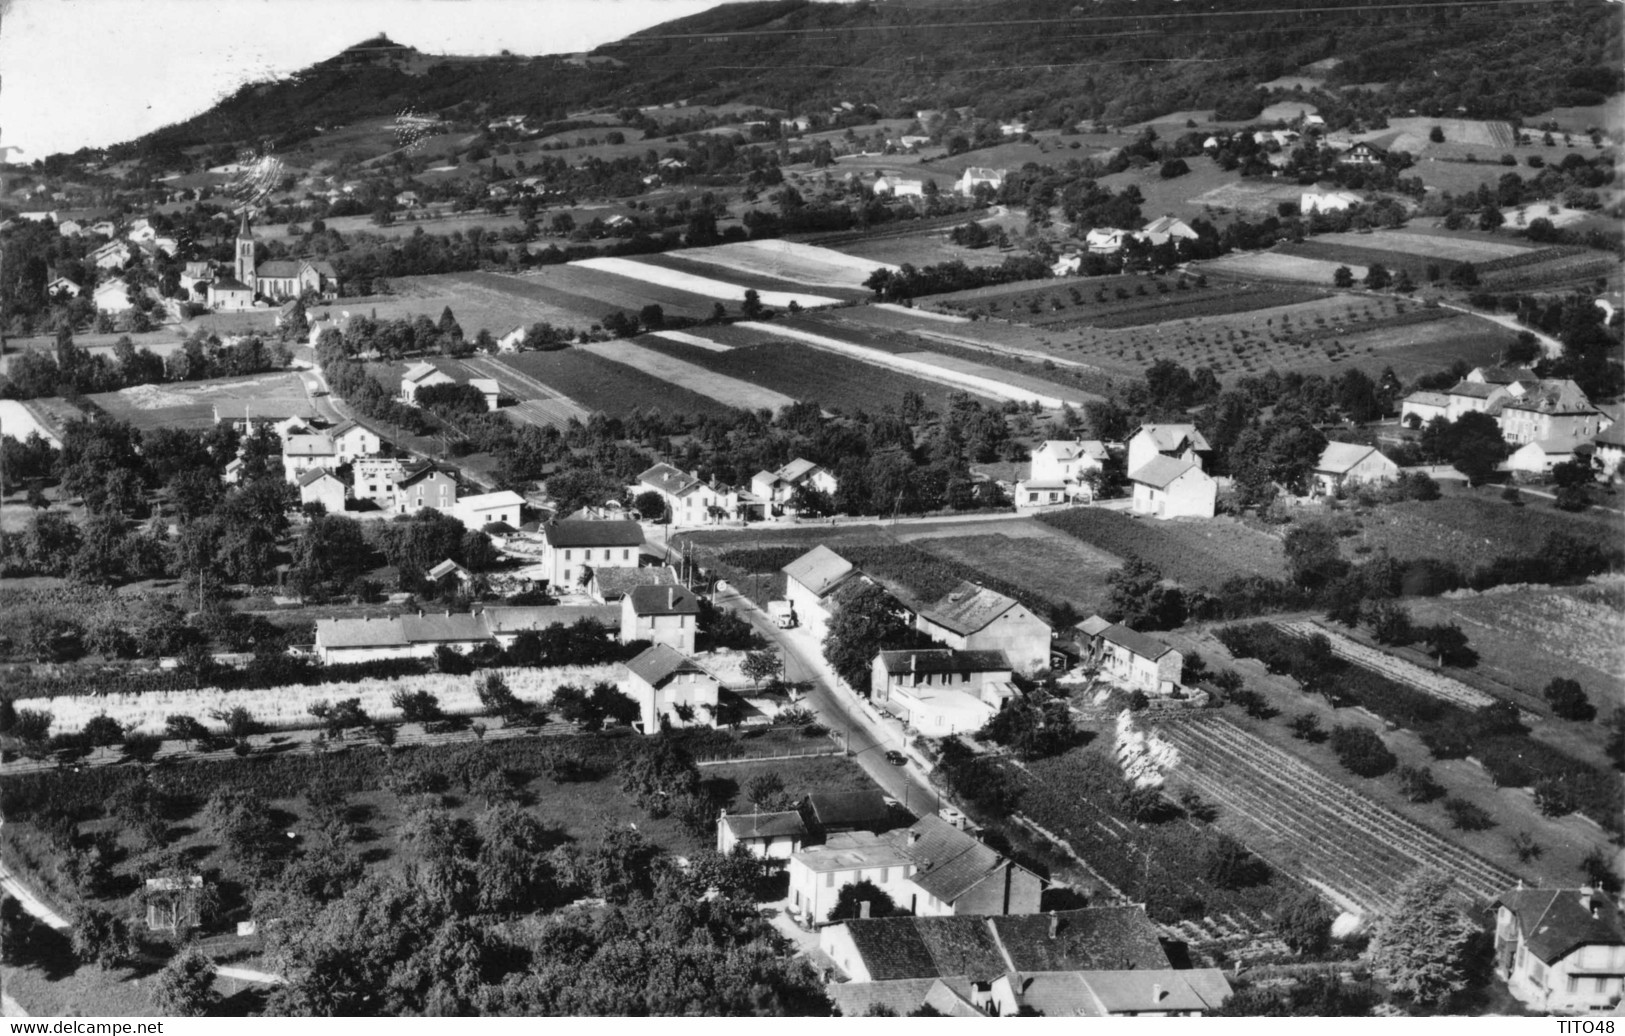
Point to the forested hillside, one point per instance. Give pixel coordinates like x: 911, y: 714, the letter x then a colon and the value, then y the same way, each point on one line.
x: 1052, y: 60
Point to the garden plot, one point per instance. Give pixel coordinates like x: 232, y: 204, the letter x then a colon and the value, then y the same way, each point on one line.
x: 786, y: 260
x: 288, y: 708
x: 761, y: 283
x: 1410, y: 674
x: 990, y: 384
x: 720, y: 387
x: 1353, y: 849
x: 720, y: 290
x: 1276, y: 266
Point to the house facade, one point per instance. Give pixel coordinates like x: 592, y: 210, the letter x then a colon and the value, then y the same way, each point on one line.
x: 666, y: 615
x: 940, y: 692
x: 776, y: 488
x: 975, y: 618
x: 352, y: 441
x: 1540, y: 457
x: 768, y: 836
x: 1168, y: 488
x: 1556, y: 409
x: 671, y: 689
x: 302, y: 453
x: 574, y: 548
x: 1174, y: 441
x: 482, y: 509
x: 1069, y: 462
x: 320, y: 486
x: 1420, y: 408
x: 422, y: 376
x: 1140, y: 662
x: 427, y: 486
x: 1561, y: 950
x: 810, y: 580
x: 688, y: 499
x: 1345, y: 464
x: 374, y: 478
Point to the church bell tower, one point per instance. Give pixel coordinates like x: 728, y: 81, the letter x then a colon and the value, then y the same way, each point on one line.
x: 245, y: 252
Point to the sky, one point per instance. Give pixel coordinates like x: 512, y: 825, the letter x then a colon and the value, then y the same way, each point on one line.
x: 89, y: 73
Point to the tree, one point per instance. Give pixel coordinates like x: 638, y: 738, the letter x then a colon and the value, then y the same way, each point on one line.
x: 651, y: 506
x: 185, y: 986
x: 1447, y: 643
x: 1423, y: 942
x: 1568, y: 700
x: 866, y: 622
x: 513, y: 867
x: 1228, y: 864
x: 1476, y: 447
x: 762, y: 666
x: 1361, y: 751
x: 1377, y: 277
x: 1417, y: 784
x: 1304, y: 923
x: 1343, y: 277
x: 850, y: 900
x: 765, y: 793
x: 657, y: 771
x: 1137, y: 597
x: 752, y: 306
x: 103, y: 731
x: 102, y: 938
x: 417, y: 706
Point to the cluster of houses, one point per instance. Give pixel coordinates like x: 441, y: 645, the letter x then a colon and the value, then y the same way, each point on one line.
x: 691, y: 500
x: 969, y: 180
x: 971, y: 939
x: 1111, y: 240
x: 1548, y: 421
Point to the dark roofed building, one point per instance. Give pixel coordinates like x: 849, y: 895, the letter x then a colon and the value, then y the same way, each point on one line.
x: 1561, y: 950
x: 767, y: 835
x: 666, y: 614
x: 827, y: 812
x: 586, y: 533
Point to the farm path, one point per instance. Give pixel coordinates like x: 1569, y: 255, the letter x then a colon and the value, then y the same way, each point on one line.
x: 1549, y: 345
x: 28, y: 901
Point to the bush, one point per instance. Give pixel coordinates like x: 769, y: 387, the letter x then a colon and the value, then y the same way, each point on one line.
x: 1416, y: 783
x: 1361, y: 751
x: 1568, y: 700
x: 1465, y: 816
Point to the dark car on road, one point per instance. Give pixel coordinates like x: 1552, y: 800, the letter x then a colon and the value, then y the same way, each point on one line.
x: 896, y: 758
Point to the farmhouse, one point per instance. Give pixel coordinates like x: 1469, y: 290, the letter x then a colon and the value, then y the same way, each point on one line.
x: 1561, y: 951
x: 1362, y: 153
x: 828, y: 813
x: 507, y: 621
x: 60, y: 287
x: 768, y: 836
x: 1106, y: 240
x: 111, y: 256
x: 1344, y: 463
x: 449, y: 569
x: 1610, y: 449
x: 1142, y: 662
x: 1067, y: 462
x: 974, y: 618
x: 899, y: 187
x: 426, y: 486
x: 402, y: 636
x: 666, y: 615
x: 281, y: 416
x: 320, y: 486
x: 302, y: 453
x: 1419, y: 408
x: 573, y: 549
x: 809, y: 582
x: 1555, y: 409
x: 671, y: 689
x: 421, y: 376
x: 374, y: 478
x: 612, y: 584
x: 1541, y: 456
x: 688, y: 499
x: 978, y: 176
x: 476, y: 512
x: 1328, y: 201
x: 939, y: 691
x: 1167, y: 228
x: 352, y: 441
x: 510, y: 342
x: 1176, y: 441
x: 1169, y: 488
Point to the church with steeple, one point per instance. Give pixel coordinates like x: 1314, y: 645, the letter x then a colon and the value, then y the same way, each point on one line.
x: 274, y: 281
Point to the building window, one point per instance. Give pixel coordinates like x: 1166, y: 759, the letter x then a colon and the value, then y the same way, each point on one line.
x: 829, y: 879
x: 567, y: 555
x: 1574, y: 983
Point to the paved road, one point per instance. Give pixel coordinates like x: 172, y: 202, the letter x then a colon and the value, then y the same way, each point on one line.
x: 837, y: 709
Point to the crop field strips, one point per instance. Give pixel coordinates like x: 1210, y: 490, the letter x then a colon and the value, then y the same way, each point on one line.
x: 695, y: 340
x: 744, y: 279
x: 538, y: 403
x: 834, y: 382
x: 1201, y: 554
x: 1308, y: 824
x: 479, y: 299
x: 972, y: 377
x: 592, y: 294
x: 801, y: 264
x: 724, y: 291
x: 1279, y: 266
x: 1431, y: 246
x: 1410, y: 674
x: 724, y: 389
x: 609, y: 387
x: 1354, y: 255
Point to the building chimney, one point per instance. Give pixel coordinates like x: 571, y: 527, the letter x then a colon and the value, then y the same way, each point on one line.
x: 1054, y: 924
x: 863, y: 910
x: 913, y: 837
x: 1588, y: 900
x: 1156, y: 992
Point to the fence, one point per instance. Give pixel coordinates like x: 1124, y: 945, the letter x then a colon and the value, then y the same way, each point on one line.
x: 766, y: 757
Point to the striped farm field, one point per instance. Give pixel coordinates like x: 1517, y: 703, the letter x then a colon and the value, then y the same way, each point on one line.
x: 592, y: 294
x: 834, y: 382
x: 763, y: 283
x: 729, y: 391
x: 603, y: 385
x: 787, y: 260
x: 719, y: 290
x: 1277, y: 266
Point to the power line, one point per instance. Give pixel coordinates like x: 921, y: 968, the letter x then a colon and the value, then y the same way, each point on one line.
x: 1084, y: 19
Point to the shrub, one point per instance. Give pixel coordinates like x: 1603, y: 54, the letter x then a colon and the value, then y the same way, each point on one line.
x: 1361, y: 751
x: 1465, y: 816
x: 1568, y: 700
x: 1416, y: 783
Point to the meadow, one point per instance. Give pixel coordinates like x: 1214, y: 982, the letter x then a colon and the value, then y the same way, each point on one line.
x: 665, y: 277
x: 1197, y: 553
x: 599, y: 384
x: 781, y: 260
x: 191, y: 404
x: 1470, y: 527
x: 1031, y: 555
x: 1278, y: 265
x: 702, y: 379
x: 1120, y: 301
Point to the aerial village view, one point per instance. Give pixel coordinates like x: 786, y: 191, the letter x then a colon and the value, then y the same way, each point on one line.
x: 869, y: 509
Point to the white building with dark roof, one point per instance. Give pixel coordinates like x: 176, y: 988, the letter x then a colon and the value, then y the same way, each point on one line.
x: 1345, y: 463
x: 321, y: 486
x: 1175, y: 441
x: 810, y: 580
x: 672, y: 689
x: 667, y: 614
x: 575, y: 549
x: 768, y: 836
x: 422, y: 376
x: 940, y: 691
x: 1168, y: 488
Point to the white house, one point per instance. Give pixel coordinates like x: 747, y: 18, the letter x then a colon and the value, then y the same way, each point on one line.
x: 940, y: 692
x: 1555, y: 409
x: 318, y: 485
x: 1327, y: 201
x: 573, y: 549
x: 1169, y: 488
x: 1106, y: 240
x: 661, y: 614
x: 427, y: 486
x: 688, y: 499
x: 810, y: 580
x: 1067, y: 462
x: 302, y: 453
x: 776, y: 488
x: 352, y: 441
x: 111, y: 256
x: 1168, y: 228
x: 768, y: 836
x: 510, y: 342
x: 899, y: 187
x: 1610, y: 449
x: 1420, y: 408
x: 978, y: 176
x: 975, y: 618
x: 402, y: 636
x: 488, y: 388
x: 62, y: 287
x: 1141, y: 662
x: 112, y: 296
x: 1561, y: 951
x: 482, y: 509
x: 421, y: 376
x: 1033, y: 493
x: 1541, y: 456
x: 671, y: 688
x: 1346, y: 463
x: 1176, y: 441
x: 374, y: 478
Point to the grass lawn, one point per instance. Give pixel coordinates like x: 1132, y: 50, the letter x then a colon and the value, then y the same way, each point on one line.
x: 190, y: 404
x: 1196, y: 552
x: 1033, y: 556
